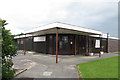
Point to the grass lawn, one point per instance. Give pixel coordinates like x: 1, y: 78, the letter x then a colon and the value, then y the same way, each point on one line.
x: 118, y: 53
x: 104, y: 68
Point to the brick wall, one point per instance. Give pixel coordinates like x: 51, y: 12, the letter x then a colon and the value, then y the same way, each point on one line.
x: 113, y: 45
x: 119, y: 45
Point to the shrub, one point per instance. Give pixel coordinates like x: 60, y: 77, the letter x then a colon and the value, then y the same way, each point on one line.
x: 9, y: 50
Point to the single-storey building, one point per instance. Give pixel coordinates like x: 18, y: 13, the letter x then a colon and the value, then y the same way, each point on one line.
x: 65, y: 39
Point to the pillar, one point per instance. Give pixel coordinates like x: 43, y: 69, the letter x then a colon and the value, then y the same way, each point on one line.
x: 56, y: 45
x: 107, y: 42
x: 100, y: 46
x: 25, y: 45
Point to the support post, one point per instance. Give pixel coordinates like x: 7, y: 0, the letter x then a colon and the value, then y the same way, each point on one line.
x: 19, y: 42
x: 56, y: 45
x: 85, y: 45
x: 25, y: 45
x: 88, y: 44
x: 100, y: 46
x: 75, y: 45
x: 107, y: 42
x: 93, y: 45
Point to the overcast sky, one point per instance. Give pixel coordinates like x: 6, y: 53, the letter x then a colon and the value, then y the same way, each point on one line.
x: 24, y: 15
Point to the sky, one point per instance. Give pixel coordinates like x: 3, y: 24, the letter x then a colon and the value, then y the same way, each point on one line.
x: 23, y: 15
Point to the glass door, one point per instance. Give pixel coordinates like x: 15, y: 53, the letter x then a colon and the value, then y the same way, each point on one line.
x: 66, y: 45
x: 50, y: 48
x: 65, y: 48
x: 82, y: 43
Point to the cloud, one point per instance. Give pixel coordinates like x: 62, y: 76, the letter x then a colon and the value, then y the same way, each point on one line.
x: 27, y: 14
x: 93, y: 11
x: 100, y: 16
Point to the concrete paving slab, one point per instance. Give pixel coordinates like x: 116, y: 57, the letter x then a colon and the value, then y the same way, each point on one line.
x: 44, y: 66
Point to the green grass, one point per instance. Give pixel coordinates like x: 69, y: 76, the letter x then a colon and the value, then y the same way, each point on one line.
x: 118, y: 53
x: 104, y: 68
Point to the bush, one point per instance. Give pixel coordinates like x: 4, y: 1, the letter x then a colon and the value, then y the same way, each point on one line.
x: 9, y: 50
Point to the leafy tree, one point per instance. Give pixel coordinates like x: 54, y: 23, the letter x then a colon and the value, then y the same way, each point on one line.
x: 9, y: 50
x: 0, y: 50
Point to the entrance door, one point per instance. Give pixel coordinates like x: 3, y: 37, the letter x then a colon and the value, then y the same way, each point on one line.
x: 50, y: 44
x: 65, y: 44
x: 82, y: 42
x: 71, y: 45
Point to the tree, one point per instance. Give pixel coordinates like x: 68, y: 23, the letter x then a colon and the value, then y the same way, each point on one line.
x: 9, y: 50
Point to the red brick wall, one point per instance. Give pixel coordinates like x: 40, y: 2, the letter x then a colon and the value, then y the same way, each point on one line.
x: 113, y: 45
x: 119, y: 45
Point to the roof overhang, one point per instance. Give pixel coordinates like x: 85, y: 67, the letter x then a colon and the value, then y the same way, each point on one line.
x: 63, y: 29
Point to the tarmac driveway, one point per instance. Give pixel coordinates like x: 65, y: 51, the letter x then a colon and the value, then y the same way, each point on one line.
x: 44, y: 65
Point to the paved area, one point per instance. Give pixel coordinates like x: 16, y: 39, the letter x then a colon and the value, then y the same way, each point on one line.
x: 44, y: 65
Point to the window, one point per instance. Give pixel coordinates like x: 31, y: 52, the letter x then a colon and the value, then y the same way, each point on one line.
x: 97, y: 44
x: 18, y: 41
x: 21, y: 41
x: 50, y: 43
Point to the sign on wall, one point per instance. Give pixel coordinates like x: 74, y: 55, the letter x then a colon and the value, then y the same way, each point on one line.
x: 97, y: 44
x: 39, y: 39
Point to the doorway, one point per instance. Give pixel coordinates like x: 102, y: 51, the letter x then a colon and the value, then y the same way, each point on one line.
x: 81, y: 44
x: 65, y: 44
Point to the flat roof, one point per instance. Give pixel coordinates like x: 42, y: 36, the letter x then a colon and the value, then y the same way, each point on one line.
x: 63, y: 26
x: 64, y: 29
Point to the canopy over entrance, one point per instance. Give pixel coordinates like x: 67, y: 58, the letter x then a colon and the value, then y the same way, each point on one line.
x: 63, y: 29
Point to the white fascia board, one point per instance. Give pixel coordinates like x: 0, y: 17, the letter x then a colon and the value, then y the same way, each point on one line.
x: 103, y: 35
x: 16, y: 37
x: 66, y: 26
x: 94, y: 35
x: 19, y: 37
x: 78, y: 28
x: 49, y: 26
x: 27, y: 35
